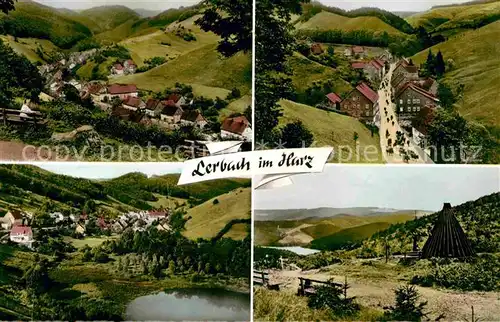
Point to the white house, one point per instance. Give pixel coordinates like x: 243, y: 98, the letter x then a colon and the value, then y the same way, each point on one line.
x: 236, y: 128
x: 57, y: 216
x: 122, y: 91
x: 11, y: 218
x: 22, y: 235
x: 133, y: 103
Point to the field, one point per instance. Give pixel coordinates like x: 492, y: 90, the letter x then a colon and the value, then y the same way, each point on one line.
x: 306, y: 72
x: 476, y: 57
x: 346, y: 228
x: 203, y: 69
x: 327, y: 20
x: 456, y: 18
x: 28, y: 46
x: 333, y: 129
x: 154, y: 44
x: 209, y: 218
x: 90, y: 241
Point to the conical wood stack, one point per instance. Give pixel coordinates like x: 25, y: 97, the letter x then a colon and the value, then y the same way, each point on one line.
x: 447, y: 237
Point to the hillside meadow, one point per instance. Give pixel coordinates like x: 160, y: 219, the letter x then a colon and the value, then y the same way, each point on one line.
x: 335, y: 130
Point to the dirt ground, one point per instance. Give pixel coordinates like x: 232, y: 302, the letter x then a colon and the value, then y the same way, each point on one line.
x: 377, y: 292
x: 17, y: 151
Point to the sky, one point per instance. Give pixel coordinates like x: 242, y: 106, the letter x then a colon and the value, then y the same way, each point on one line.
x: 390, y: 5
x: 158, y: 5
x: 109, y: 170
x: 398, y: 187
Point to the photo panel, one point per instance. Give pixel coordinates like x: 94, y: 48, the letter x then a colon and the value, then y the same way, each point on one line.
x: 112, y: 242
x: 379, y: 81
x: 372, y: 243
x: 129, y: 81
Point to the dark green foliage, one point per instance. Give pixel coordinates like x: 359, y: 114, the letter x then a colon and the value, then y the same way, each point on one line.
x: 273, y: 80
x: 117, y: 51
x: 18, y: 77
x: 37, y: 278
x: 333, y: 298
x: 151, y: 63
x: 266, y: 258
x: 7, y: 5
x: 232, y: 21
x: 406, y: 308
x: 235, y: 93
x: 479, y: 219
x: 87, y: 44
x: 296, y: 135
x: 216, y: 201
x: 169, y: 16
x: 479, y: 274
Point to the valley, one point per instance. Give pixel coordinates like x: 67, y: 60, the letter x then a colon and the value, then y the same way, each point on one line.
x: 159, y: 74
x: 411, y: 81
x: 92, y: 247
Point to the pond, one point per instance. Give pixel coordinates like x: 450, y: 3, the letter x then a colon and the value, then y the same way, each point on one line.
x: 298, y: 250
x: 191, y: 304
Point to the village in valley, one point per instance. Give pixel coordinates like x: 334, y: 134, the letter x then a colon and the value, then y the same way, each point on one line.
x: 381, y: 86
x: 132, y: 96
x: 94, y: 249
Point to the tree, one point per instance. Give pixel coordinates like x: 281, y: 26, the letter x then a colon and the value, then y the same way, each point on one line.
x: 333, y: 297
x: 406, y: 308
x: 430, y: 65
x: 296, y: 135
x: 355, y: 137
x: 7, y: 5
x: 171, y: 267
x: 440, y: 66
x: 272, y: 81
x: 37, y: 277
x: 331, y: 50
x: 446, y: 96
x: 446, y: 133
x: 232, y: 21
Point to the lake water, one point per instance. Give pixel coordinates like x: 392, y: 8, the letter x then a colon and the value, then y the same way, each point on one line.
x: 298, y: 250
x: 191, y: 305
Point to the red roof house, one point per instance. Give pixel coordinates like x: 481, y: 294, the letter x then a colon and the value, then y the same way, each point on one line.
x: 334, y: 100
x: 358, y: 65
x: 367, y: 92
x: 236, y: 126
x: 117, y: 89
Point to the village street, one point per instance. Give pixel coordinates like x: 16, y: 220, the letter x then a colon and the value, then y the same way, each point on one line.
x: 389, y: 124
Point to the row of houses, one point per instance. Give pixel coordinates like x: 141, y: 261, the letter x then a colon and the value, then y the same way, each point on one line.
x: 128, y: 67
x: 374, y: 69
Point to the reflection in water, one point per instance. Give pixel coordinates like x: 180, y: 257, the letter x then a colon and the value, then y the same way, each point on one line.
x: 191, y: 304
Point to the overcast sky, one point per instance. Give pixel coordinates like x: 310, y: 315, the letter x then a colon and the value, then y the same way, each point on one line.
x: 134, y: 4
x: 390, y: 5
x: 398, y: 187
x: 110, y: 170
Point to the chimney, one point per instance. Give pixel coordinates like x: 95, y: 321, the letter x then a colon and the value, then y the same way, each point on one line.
x: 446, y: 206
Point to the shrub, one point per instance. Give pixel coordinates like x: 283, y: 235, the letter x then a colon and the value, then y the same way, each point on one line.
x: 216, y: 201
x: 406, y: 308
x: 333, y: 298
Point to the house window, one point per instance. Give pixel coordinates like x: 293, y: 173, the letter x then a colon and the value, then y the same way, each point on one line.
x: 409, y: 101
x: 367, y: 106
x: 367, y: 113
x: 401, y: 102
x: 418, y: 108
x: 414, y: 101
x: 418, y: 100
x: 409, y: 108
x: 414, y: 108
x: 401, y: 109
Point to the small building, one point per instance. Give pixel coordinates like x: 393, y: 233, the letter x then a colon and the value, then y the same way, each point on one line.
x: 153, y: 215
x: 374, y: 70
x: 411, y: 98
x: 57, y: 217
x: 153, y: 107
x: 171, y: 113
x: 117, y: 69
x: 22, y: 235
x: 133, y: 103
x: 333, y: 101
x: 236, y: 127
x: 358, y: 65
x: 358, y: 51
x: 12, y: 218
x: 80, y: 228
x: 317, y: 49
x: 404, y: 72
x: 360, y: 103
x: 122, y: 91
x: 178, y: 99
x: 193, y: 118
x: 129, y: 66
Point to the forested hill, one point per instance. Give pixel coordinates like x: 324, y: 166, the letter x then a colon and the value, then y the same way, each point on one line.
x: 480, y: 220
x: 66, y: 28
x: 23, y: 184
x: 311, y: 9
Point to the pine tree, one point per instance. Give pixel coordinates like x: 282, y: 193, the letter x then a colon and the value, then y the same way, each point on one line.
x: 430, y: 64
x: 171, y: 267
x: 440, y: 66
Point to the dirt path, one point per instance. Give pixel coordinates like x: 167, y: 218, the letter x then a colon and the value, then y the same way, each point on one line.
x: 379, y: 293
x: 389, y: 123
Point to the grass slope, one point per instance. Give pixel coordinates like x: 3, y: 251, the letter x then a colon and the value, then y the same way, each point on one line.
x: 332, y: 129
x: 203, y: 68
x: 441, y: 19
x: 103, y: 18
x: 327, y: 20
x: 154, y: 44
x: 348, y: 236
x: 476, y: 56
x: 208, y: 218
x: 31, y: 19
x: 306, y: 72
x: 28, y: 46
